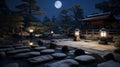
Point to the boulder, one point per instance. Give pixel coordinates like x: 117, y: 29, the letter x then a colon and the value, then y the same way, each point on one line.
x: 47, y: 51
x: 34, y: 46
x: 79, y: 52
x: 40, y: 42
x: 108, y: 56
x: 11, y: 65
x: 109, y: 63
x: 65, y: 63
x: 2, y: 55
x: 59, y: 55
x: 40, y: 59
x: 85, y: 59
x: 26, y: 54
x: 18, y: 51
x: 39, y: 48
x: 52, y: 46
x: 65, y: 48
x: 23, y: 47
x: 6, y: 49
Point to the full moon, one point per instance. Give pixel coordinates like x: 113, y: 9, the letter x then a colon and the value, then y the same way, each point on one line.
x: 58, y: 4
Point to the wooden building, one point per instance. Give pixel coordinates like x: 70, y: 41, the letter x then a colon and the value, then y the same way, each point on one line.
x: 97, y: 21
x: 106, y: 20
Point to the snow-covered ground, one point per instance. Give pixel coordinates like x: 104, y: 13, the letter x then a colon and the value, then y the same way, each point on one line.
x: 89, y: 45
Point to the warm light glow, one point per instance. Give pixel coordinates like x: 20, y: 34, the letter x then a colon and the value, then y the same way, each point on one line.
x: 31, y: 30
x: 58, y: 4
x: 30, y: 43
x: 103, y: 34
x: 52, y: 32
x: 77, y: 33
x: 37, y: 35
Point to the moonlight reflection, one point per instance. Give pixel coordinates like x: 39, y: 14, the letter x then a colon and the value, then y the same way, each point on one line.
x: 58, y: 4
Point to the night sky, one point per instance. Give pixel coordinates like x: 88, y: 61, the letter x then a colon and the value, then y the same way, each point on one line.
x: 47, y: 6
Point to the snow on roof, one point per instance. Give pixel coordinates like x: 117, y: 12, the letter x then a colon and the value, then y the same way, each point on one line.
x: 94, y: 15
x: 97, y: 16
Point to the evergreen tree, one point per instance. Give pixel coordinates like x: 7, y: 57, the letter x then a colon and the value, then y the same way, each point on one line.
x: 29, y: 9
x: 48, y: 23
x: 70, y: 17
x: 112, y: 6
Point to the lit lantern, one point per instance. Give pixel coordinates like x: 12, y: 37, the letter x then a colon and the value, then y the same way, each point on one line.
x: 31, y: 30
x: 103, y: 32
x: 52, y: 32
x: 31, y: 33
x: 77, y: 35
x: 103, y: 36
x: 30, y: 43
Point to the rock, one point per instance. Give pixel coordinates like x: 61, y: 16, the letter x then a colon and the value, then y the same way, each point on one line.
x: 18, y: 51
x: 6, y: 49
x: 40, y: 59
x: 22, y: 47
x: 39, y: 48
x: 52, y: 46
x: 65, y: 49
x: 108, y: 56
x: 5, y: 46
x: 79, y: 52
x: 65, y: 63
x: 26, y: 54
x: 34, y: 46
x: 47, y: 51
x: 40, y: 42
x: 59, y: 55
x: 2, y: 55
x: 85, y: 59
x: 11, y: 65
x: 109, y: 63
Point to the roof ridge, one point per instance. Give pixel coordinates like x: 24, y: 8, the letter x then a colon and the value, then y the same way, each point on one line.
x: 100, y: 14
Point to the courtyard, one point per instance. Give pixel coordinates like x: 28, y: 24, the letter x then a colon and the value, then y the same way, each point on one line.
x: 59, y: 33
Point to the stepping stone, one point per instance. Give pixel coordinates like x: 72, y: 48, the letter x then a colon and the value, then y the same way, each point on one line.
x: 6, y: 49
x: 11, y: 65
x: 109, y: 63
x: 59, y: 55
x: 34, y: 46
x: 47, y: 51
x: 5, y: 46
x: 26, y: 55
x: 22, y: 47
x: 65, y: 63
x: 40, y: 59
x: 17, y: 45
x: 85, y: 59
x: 39, y: 48
x: 2, y: 55
x: 18, y: 51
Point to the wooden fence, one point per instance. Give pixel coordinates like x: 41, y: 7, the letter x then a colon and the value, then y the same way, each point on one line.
x: 95, y: 34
